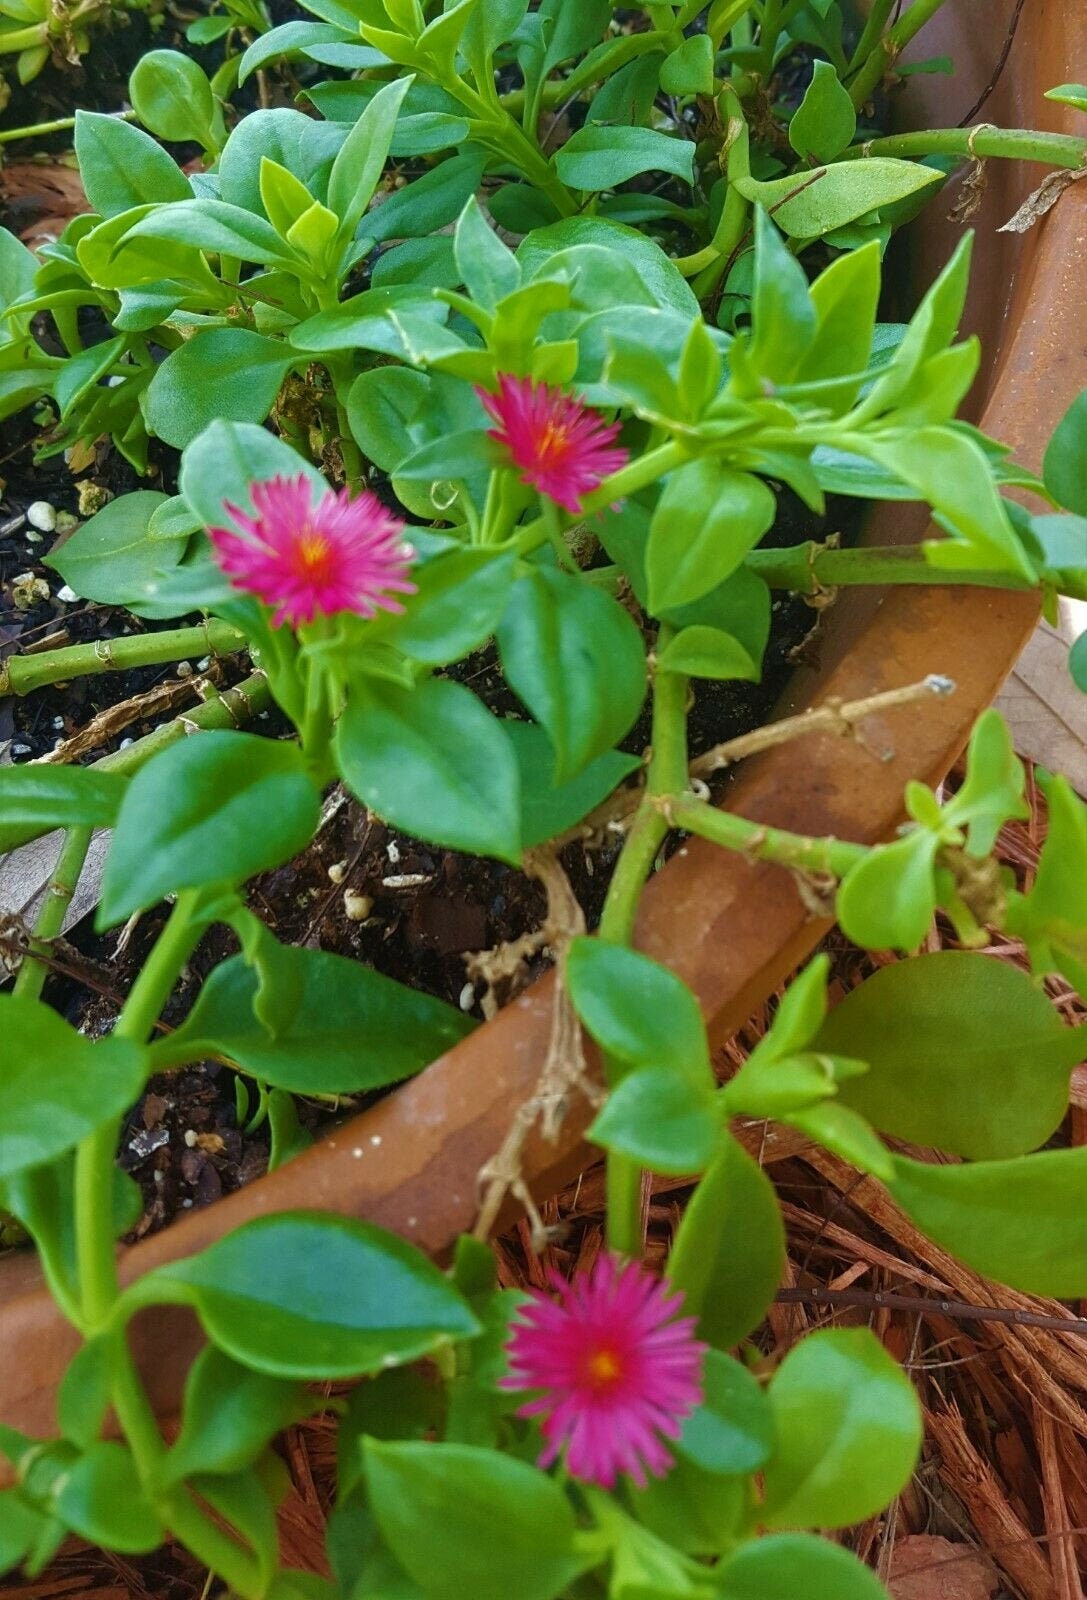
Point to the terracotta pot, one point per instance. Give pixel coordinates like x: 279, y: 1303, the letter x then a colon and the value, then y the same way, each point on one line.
x: 732, y: 929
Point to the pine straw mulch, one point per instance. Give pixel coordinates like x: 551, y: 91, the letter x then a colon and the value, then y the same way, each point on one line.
x: 998, y: 1507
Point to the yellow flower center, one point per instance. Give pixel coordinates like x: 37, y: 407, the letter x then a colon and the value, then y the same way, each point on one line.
x: 553, y: 440
x: 604, y: 1368
x: 313, y: 551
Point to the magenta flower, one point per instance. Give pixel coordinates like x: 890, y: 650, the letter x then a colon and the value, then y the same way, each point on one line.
x: 617, y: 1370
x: 309, y: 560
x: 561, y: 447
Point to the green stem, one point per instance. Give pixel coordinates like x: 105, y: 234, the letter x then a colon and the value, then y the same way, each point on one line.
x: 807, y: 568
x: 635, y: 475
x: 667, y: 773
x: 50, y: 919
x: 228, y: 710
x: 23, y: 39
x: 95, y: 1252
x: 878, y: 17
x: 22, y: 674
x: 1014, y: 144
x: 38, y: 130
x: 890, y: 47
x: 834, y: 856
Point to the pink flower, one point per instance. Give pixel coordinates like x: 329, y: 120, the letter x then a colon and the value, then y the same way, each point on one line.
x: 617, y: 1370
x: 560, y: 446
x: 308, y: 560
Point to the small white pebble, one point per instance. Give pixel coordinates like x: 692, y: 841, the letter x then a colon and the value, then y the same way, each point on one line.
x: 190, y: 1138
x: 392, y: 850
x: 467, y: 997
x: 357, y: 1152
x: 159, y: 1177
x: 375, y: 1138
x: 184, y: 669
x: 124, y: 744
x: 42, y: 515
x: 406, y: 880
x: 67, y: 594
x: 357, y: 907
x: 186, y: 1205
x: 337, y: 871
x: 20, y: 749
x: 203, y: 664
x: 33, y: 538
x: 58, y: 723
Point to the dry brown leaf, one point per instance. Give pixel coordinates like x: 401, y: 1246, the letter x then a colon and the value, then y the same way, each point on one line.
x: 926, y: 1567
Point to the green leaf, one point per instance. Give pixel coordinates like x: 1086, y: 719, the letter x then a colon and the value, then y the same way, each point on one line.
x: 36, y: 798
x: 361, y: 160
x: 228, y: 374
x: 83, y: 1398
x: 697, y: 1512
x: 888, y: 899
x: 1052, y: 918
x: 247, y: 1502
x: 808, y: 205
x: 121, y: 167
x: 548, y: 809
x: 993, y: 792
x: 459, y: 601
x: 306, y: 1295
x: 439, y: 1506
x: 964, y: 1052
x: 111, y: 558
x: 597, y: 157
x: 1069, y: 94
x: 433, y: 761
x: 946, y: 468
x: 782, y: 309
x: 635, y: 1009
x: 845, y: 1133
x: 845, y: 298
x: 707, y: 519
x: 732, y: 1430
x: 488, y: 269
x: 57, y: 1086
x: 229, y: 1415
x: 1021, y: 1221
x: 172, y: 96
x: 211, y: 225
x: 102, y: 1500
x: 662, y: 1117
x: 825, y: 121
x: 661, y: 277
x: 576, y: 659
x: 703, y: 652
x: 187, y: 819
x: 848, y: 1429
x: 689, y: 69
x: 729, y: 1252
x: 785, y: 1565
x: 1065, y: 466
x: 1077, y: 663
x: 350, y: 1028
x: 20, y: 1528
x: 220, y: 466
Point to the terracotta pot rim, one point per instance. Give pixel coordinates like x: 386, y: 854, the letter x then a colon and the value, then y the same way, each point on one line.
x: 733, y: 929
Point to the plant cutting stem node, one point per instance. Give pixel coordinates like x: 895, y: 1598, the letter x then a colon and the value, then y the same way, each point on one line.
x: 22, y: 674
x: 810, y: 567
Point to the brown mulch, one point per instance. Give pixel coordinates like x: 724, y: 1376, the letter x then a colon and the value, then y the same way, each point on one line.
x: 998, y: 1507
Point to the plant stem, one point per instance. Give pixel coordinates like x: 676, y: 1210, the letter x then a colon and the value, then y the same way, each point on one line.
x: 834, y: 856
x: 667, y: 773
x: 95, y: 1252
x: 22, y: 674
x: 1014, y: 144
x: 228, y: 710
x: 807, y: 568
x: 886, y: 52
x: 50, y: 919
x: 39, y: 129
x: 634, y: 476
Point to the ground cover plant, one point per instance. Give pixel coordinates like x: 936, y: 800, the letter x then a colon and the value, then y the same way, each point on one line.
x: 519, y: 341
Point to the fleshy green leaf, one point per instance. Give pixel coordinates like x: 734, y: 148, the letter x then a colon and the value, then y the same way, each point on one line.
x: 826, y: 120
x: 188, y: 819
x: 433, y: 761
x: 729, y: 1253
x: 707, y: 519
x: 439, y: 1506
x: 303, y: 1295
x: 634, y: 1008
x: 785, y: 1565
x: 848, y: 1428
x: 964, y: 1053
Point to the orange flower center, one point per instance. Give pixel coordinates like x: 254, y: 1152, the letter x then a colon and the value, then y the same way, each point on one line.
x: 603, y: 1369
x: 553, y: 441
x: 313, y: 552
